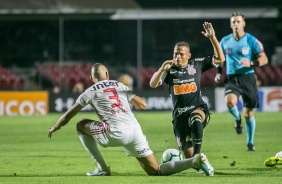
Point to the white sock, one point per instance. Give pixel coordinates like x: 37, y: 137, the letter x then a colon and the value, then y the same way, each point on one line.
x: 173, y: 167
x: 90, y: 146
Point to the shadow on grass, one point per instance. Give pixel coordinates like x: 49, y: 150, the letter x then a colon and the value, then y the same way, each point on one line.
x: 264, y: 169
x: 50, y: 156
x: 232, y: 173
x: 249, y: 171
x: 17, y: 175
x: 114, y: 174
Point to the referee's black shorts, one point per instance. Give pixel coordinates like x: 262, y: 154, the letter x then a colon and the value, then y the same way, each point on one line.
x: 245, y: 86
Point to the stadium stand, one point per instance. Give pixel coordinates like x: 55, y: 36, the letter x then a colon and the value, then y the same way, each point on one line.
x: 68, y: 75
x: 9, y: 80
x: 95, y: 30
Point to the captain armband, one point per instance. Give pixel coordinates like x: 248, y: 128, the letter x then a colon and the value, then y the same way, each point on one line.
x: 254, y: 63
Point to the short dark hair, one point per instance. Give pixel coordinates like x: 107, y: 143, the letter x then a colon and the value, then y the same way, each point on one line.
x: 237, y: 14
x: 179, y: 44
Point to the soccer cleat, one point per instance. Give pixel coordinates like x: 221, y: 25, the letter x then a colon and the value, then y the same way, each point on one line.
x: 273, y: 161
x: 238, y: 127
x: 251, y: 147
x: 98, y: 172
x: 204, y: 164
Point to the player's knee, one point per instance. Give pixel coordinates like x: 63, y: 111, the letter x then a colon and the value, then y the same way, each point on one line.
x: 79, y: 125
x: 195, y: 117
x: 248, y: 113
x: 82, y: 124
x: 231, y: 104
x: 231, y: 100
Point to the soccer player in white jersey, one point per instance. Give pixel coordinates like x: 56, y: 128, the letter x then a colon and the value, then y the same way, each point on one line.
x: 119, y: 127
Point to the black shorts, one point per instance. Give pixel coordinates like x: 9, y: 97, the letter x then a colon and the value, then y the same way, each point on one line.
x: 245, y: 86
x: 182, y: 130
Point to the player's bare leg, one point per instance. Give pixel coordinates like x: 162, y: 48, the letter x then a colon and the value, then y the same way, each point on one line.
x: 150, y: 164
x: 188, y: 153
x: 231, y: 100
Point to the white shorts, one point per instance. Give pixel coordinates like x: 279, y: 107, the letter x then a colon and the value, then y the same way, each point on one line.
x: 131, y: 138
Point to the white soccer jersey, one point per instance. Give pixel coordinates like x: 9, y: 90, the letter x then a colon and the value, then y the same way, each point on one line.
x: 119, y: 127
x: 110, y: 99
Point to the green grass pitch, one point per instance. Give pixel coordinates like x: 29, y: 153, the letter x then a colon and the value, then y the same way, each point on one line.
x: 28, y: 156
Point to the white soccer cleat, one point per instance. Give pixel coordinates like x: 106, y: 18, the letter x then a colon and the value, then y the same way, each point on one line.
x: 204, y: 164
x: 98, y: 172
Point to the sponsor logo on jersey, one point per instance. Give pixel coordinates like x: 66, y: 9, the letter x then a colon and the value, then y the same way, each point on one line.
x: 143, y: 151
x: 104, y: 84
x: 185, y: 88
x: 184, y: 109
x: 177, y: 81
x: 191, y: 70
x: 245, y: 50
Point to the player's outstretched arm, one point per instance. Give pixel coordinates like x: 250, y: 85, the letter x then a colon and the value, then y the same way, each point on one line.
x: 210, y: 33
x: 65, y: 118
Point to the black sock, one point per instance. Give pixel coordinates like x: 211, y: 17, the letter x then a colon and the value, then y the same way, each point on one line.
x: 197, y: 132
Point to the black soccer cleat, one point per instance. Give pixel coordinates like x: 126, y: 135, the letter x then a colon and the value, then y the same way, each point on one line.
x: 251, y: 147
x: 238, y: 127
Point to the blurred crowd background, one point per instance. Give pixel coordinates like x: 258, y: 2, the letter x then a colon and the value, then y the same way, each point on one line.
x: 52, y: 44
